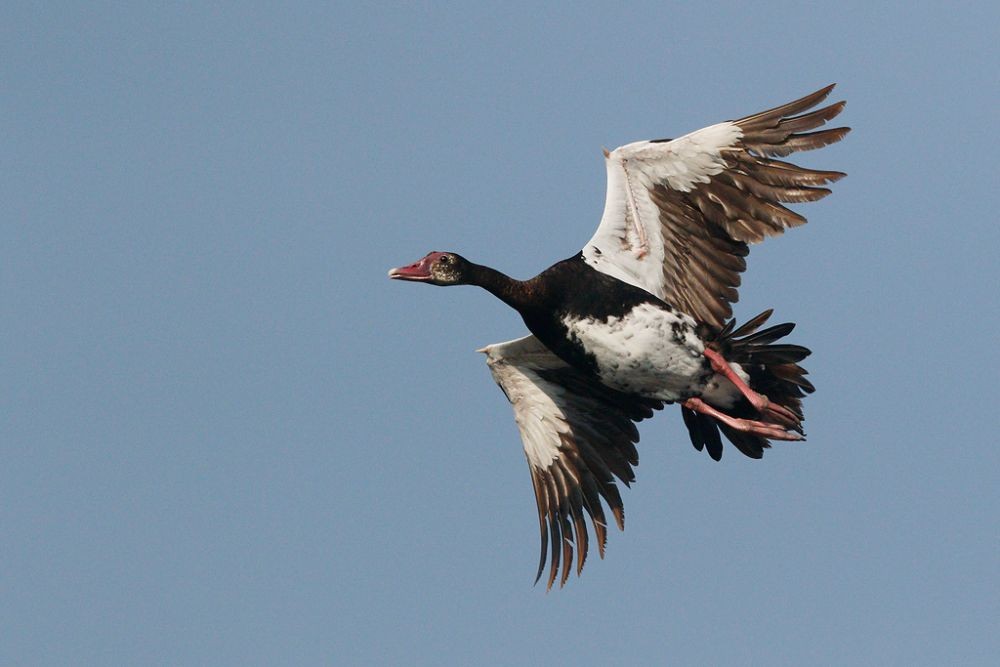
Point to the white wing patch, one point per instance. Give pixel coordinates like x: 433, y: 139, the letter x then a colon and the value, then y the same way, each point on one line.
x: 683, y: 162
x: 578, y: 436
x: 680, y: 214
x: 539, y: 417
x: 628, y: 244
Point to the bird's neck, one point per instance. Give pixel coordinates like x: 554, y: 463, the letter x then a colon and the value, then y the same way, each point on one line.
x: 515, y: 293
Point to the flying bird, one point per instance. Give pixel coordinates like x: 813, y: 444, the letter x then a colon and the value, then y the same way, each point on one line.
x: 642, y: 317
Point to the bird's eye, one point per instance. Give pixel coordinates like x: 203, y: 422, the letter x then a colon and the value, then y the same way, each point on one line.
x: 445, y: 259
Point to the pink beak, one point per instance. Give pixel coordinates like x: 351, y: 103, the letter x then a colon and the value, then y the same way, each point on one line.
x: 418, y: 271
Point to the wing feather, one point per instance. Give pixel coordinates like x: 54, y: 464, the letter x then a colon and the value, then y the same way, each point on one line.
x: 680, y: 213
x: 578, y: 437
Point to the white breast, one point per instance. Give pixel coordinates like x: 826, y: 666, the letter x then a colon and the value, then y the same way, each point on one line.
x: 650, y: 351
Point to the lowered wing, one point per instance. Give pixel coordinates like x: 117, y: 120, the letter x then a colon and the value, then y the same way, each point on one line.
x: 578, y: 436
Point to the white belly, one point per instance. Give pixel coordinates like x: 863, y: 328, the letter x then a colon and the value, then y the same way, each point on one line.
x: 650, y: 351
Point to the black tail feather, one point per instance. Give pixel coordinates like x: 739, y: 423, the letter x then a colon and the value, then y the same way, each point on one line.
x: 748, y: 327
x: 751, y: 445
x: 704, y: 432
x: 767, y: 336
x: 774, y: 371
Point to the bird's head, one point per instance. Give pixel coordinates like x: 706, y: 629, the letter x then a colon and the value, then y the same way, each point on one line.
x: 437, y: 268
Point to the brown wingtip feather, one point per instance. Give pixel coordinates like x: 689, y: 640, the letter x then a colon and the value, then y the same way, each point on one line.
x: 582, y: 478
x: 779, y: 132
x: 567, y: 550
x: 542, y: 502
x: 787, y: 109
x: 554, y: 556
x: 707, y: 229
x: 601, y: 532
x: 805, y: 141
x: 619, y: 513
x: 582, y: 547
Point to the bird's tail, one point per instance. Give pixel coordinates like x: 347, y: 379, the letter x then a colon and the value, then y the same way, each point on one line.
x: 774, y: 371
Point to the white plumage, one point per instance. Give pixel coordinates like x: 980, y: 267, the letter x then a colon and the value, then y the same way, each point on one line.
x: 648, y: 351
x: 538, y: 407
x: 629, y: 243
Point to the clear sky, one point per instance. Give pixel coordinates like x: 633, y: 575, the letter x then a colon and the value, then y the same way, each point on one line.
x: 228, y: 439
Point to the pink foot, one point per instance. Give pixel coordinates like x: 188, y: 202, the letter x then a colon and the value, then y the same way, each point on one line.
x: 772, y: 412
x: 768, y: 430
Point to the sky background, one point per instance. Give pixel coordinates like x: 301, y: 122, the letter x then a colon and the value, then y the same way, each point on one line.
x: 228, y: 439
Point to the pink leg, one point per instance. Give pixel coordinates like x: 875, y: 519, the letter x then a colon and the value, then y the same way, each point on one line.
x: 765, y: 429
x: 766, y: 408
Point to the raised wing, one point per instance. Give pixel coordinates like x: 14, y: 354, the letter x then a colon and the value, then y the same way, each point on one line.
x: 679, y: 213
x: 578, y: 436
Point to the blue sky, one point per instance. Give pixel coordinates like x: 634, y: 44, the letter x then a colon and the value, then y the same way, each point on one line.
x: 228, y: 439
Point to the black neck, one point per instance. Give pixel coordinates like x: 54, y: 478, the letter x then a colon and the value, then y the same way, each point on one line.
x: 512, y: 292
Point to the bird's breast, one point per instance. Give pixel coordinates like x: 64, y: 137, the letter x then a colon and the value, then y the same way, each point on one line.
x: 650, y: 350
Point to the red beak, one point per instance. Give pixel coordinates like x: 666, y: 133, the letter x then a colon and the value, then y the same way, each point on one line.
x: 418, y: 271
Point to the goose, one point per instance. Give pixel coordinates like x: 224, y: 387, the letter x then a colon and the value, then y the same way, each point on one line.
x: 641, y: 317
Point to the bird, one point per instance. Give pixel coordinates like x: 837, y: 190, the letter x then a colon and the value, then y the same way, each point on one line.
x: 641, y: 317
